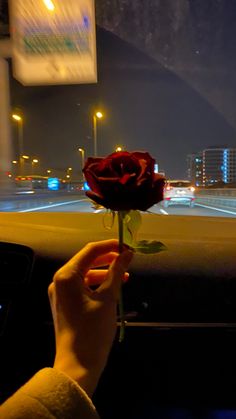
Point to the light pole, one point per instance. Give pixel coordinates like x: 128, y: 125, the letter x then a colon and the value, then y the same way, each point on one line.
x: 19, y: 121
x: 97, y: 115
x: 33, y: 163
x: 23, y: 158
x: 14, y: 167
x: 81, y: 150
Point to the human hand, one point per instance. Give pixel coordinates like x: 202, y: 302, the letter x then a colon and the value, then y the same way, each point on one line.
x: 85, y: 319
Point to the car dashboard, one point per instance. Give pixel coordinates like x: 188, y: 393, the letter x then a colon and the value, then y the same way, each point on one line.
x: 180, y: 307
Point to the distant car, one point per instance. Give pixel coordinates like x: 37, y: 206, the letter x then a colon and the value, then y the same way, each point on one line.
x: 178, y: 192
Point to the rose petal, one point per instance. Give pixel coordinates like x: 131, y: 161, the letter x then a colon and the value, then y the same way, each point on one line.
x: 124, y: 181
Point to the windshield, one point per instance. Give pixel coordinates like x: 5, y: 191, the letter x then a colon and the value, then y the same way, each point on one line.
x: 159, y: 79
x: 179, y: 184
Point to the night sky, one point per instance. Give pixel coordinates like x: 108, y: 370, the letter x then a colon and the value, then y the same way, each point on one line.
x: 153, y: 101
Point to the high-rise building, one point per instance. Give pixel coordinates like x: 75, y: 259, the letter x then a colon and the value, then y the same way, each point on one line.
x: 219, y: 165
x: 212, y: 165
x: 195, y: 168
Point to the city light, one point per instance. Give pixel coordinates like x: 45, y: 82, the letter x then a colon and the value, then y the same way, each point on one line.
x: 14, y: 161
x: 99, y: 114
x: 35, y: 161
x: 25, y: 157
x: 49, y: 4
x: 16, y: 117
x: 118, y: 149
x: 82, y: 151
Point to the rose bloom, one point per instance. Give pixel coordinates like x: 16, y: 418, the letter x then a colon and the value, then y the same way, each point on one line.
x: 124, y: 181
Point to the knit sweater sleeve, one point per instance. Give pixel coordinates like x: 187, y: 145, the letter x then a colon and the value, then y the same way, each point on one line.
x: 49, y: 394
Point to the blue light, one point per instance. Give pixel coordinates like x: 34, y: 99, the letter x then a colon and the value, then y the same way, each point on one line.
x: 53, y: 183
x: 86, y: 186
x: 225, y: 165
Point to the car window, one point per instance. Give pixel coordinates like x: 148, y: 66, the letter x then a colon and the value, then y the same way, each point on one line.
x: 165, y: 84
x: 179, y: 184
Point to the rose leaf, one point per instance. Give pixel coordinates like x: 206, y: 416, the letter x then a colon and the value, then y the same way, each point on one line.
x: 131, y: 224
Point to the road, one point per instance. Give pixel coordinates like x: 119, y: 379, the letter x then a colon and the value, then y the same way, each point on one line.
x: 83, y: 204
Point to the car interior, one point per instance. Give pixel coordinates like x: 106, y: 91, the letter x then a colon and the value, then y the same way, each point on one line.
x: 166, y: 86
x: 178, y: 355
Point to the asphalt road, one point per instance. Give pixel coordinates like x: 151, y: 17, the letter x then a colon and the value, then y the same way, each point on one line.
x: 83, y: 204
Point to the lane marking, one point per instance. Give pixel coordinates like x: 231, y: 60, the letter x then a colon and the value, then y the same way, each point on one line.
x: 53, y: 205
x: 216, y: 209
x: 163, y: 211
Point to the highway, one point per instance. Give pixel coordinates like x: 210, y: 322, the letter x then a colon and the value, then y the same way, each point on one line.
x: 80, y: 203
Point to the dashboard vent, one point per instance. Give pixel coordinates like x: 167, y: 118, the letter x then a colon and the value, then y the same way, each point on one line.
x: 16, y: 262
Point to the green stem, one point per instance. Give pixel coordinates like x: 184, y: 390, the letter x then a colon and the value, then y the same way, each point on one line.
x: 121, y: 305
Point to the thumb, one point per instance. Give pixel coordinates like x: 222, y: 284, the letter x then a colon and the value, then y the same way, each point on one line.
x: 111, y: 286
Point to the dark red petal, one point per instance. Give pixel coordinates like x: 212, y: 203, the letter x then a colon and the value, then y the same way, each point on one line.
x: 91, y: 160
x: 93, y: 182
x: 95, y: 197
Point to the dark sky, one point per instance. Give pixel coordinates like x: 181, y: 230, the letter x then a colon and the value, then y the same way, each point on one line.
x: 148, y: 105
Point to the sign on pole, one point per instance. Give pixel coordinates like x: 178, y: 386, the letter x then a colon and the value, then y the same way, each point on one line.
x: 54, y: 41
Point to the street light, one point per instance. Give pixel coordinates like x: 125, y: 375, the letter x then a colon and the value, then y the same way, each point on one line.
x: 81, y: 150
x: 33, y: 163
x: 19, y: 121
x: 14, y: 167
x: 16, y: 117
x: 97, y: 115
x: 49, y: 4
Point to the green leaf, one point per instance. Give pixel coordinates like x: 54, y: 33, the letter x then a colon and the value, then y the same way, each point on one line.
x: 131, y: 224
x: 149, y: 246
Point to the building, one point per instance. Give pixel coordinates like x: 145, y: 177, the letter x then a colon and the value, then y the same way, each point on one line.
x: 195, y: 168
x: 219, y: 165
x: 213, y: 165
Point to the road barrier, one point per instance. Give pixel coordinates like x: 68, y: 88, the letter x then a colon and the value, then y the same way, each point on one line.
x: 220, y: 197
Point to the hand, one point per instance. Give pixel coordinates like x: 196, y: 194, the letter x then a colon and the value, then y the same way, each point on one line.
x: 85, y: 319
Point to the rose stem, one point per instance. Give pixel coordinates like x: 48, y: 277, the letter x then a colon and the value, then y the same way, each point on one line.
x: 121, y: 306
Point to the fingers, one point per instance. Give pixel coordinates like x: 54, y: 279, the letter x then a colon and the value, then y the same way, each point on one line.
x: 85, y: 259
x: 70, y: 279
x: 50, y: 290
x: 104, y: 260
x: 97, y: 277
x: 111, y: 286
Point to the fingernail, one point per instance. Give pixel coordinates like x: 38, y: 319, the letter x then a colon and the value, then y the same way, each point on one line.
x: 126, y: 277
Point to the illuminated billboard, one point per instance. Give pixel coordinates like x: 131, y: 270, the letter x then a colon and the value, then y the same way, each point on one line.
x: 53, y: 184
x: 54, y: 41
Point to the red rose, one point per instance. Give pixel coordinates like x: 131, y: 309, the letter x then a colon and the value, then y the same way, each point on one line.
x: 124, y: 181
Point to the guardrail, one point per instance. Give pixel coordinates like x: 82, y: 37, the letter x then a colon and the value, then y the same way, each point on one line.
x: 216, y: 192
x: 220, y: 197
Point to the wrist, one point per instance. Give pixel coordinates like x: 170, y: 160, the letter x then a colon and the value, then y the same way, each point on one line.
x: 85, y: 378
